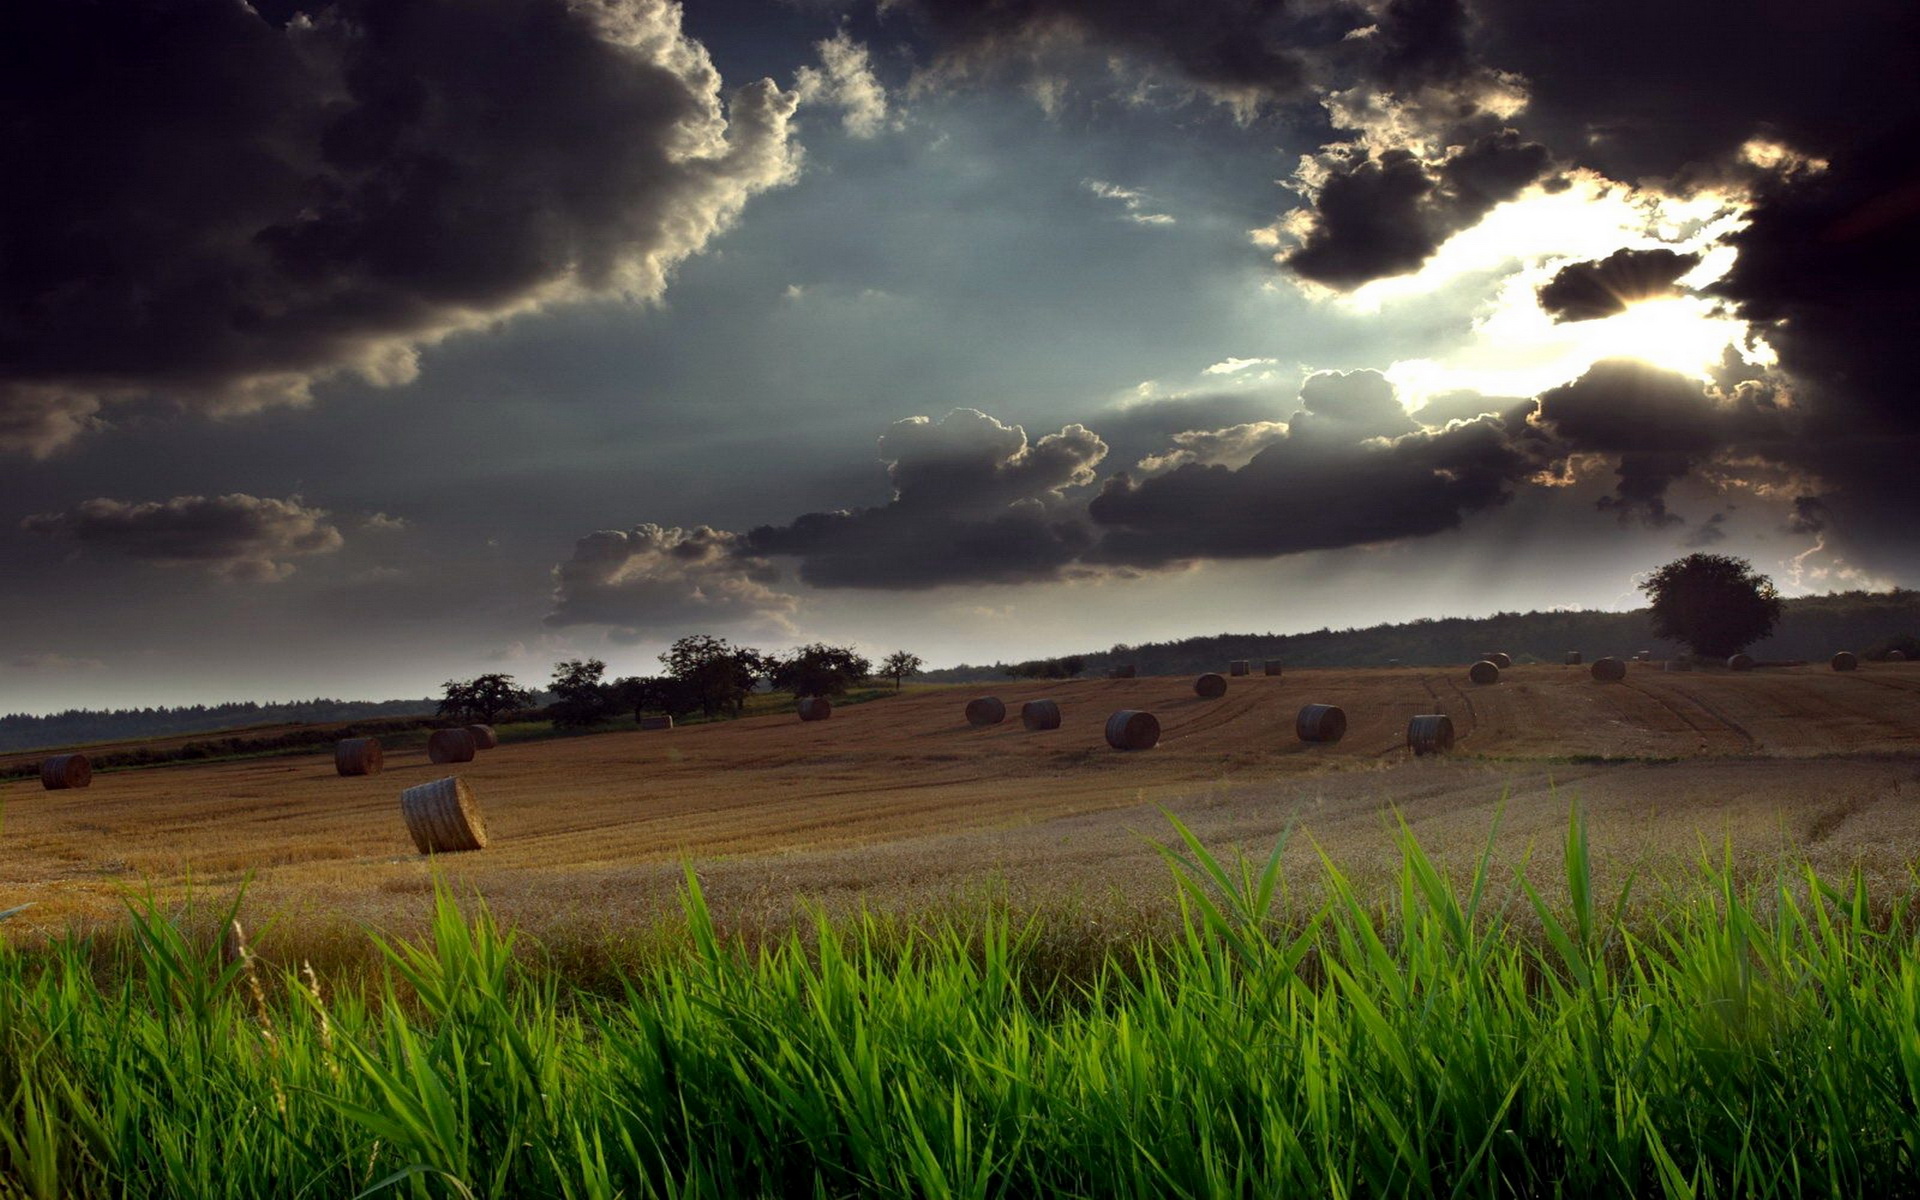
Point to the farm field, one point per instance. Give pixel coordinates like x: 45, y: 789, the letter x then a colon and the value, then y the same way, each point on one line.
x: 899, y: 802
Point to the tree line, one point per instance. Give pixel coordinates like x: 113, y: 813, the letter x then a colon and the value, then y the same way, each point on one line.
x: 80, y: 726
x: 699, y: 673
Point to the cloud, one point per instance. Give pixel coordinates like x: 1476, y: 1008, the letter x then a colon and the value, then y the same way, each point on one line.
x: 1339, y: 485
x: 1135, y: 203
x: 652, y: 580
x: 973, y: 502
x: 1245, y: 53
x: 1587, y: 291
x: 845, y: 80
x: 50, y: 663
x: 237, y: 537
x: 1659, y: 426
x: 1709, y: 532
x: 1384, y: 212
x: 382, y: 523
x: 231, y: 205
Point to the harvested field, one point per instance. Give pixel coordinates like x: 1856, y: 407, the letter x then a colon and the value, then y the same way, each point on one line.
x: 900, y: 801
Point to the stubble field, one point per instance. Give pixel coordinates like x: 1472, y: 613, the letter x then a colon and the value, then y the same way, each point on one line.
x: 899, y: 803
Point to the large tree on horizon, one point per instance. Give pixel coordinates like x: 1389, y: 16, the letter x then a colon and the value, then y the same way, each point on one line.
x: 1715, y: 603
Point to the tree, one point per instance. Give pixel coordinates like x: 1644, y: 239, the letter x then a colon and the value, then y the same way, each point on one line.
x: 820, y: 670
x: 485, y: 699
x: 716, y: 673
x: 580, y: 698
x: 1713, y: 603
x: 657, y: 692
x: 900, y: 664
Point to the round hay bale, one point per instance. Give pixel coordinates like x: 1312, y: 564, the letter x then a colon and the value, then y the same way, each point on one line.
x: 1126, y: 672
x: 1321, y: 723
x: 450, y: 746
x: 1040, y: 714
x: 1484, y: 671
x: 1430, y: 733
x: 442, y: 816
x: 358, y: 756
x: 661, y: 722
x: 1573, y: 658
x: 1609, y: 670
x: 1210, y: 686
x: 985, y: 710
x: 1740, y: 662
x: 815, y: 708
x: 1846, y: 660
x: 64, y: 771
x: 484, y: 738
x: 1131, y: 729
x: 1677, y: 664
x: 1239, y: 666
x: 1896, y: 656
x: 1499, y: 658
x: 1271, y: 666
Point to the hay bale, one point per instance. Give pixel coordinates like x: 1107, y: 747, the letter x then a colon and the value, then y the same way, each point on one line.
x: 1239, y: 666
x: 1271, y: 666
x: 1609, y: 670
x: 1484, y: 671
x: 1677, y: 664
x: 442, y: 816
x: 1321, y: 723
x: 1430, y: 733
x: 64, y: 771
x: 1846, y: 660
x: 1040, y: 714
x: 1126, y: 672
x: 1499, y: 658
x: 1210, y: 686
x: 484, y: 738
x: 1896, y: 656
x: 985, y: 710
x: 450, y: 746
x: 1740, y: 662
x: 358, y: 756
x: 661, y: 722
x: 1131, y: 729
x: 1573, y: 658
x: 815, y: 708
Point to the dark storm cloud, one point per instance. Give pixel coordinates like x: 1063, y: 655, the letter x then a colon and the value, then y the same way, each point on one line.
x: 650, y: 579
x: 1586, y: 291
x: 1386, y: 212
x: 973, y: 502
x: 237, y: 537
x: 1307, y: 493
x: 219, y: 208
x: 1659, y: 427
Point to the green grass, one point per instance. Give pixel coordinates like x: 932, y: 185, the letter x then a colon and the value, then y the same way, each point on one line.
x: 1461, y: 1038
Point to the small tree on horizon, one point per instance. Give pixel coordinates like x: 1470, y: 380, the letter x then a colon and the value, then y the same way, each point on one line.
x: 899, y: 665
x: 820, y: 670
x: 485, y: 698
x: 580, y: 696
x: 715, y: 673
x: 1716, y: 604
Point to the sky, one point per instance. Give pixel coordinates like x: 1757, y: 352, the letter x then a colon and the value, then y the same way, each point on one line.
x: 350, y: 346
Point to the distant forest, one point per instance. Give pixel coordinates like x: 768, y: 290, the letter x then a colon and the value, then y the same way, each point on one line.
x: 81, y: 726
x: 1812, y: 628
